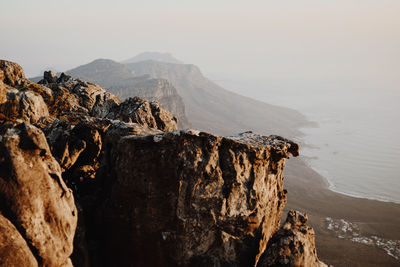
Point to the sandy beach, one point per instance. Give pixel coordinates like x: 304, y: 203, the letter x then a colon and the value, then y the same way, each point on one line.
x: 363, y: 220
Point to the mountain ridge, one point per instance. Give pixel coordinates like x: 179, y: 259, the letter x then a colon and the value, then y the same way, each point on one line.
x: 156, y: 56
x: 211, y: 107
x: 121, y: 81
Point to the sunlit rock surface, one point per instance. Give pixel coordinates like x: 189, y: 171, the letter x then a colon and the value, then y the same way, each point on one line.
x: 89, y: 180
x: 34, y: 197
x: 293, y: 245
x: 193, y: 199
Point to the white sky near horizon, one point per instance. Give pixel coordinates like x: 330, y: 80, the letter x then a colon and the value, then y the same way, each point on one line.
x: 304, y: 40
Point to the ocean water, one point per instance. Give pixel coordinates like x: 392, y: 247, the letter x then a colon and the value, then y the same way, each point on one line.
x: 356, y: 145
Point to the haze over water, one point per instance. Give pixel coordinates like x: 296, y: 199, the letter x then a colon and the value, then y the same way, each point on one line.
x: 356, y: 144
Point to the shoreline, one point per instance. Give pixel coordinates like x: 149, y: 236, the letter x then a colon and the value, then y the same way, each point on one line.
x: 309, y: 192
x: 331, y: 186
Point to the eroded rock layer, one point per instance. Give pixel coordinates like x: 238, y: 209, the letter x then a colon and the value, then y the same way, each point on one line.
x: 194, y: 199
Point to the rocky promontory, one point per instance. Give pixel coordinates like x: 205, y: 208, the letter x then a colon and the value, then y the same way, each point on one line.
x: 89, y: 180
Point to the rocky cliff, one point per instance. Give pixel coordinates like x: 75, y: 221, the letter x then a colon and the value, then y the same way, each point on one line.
x: 211, y: 201
x: 89, y: 180
x: 121, y: 81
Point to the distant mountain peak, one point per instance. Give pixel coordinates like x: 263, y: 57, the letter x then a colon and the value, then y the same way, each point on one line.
x: 103, y: 61
x: 155, y: 56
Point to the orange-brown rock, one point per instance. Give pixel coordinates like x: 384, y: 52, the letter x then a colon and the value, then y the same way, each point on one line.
x: 146, y: 113
x: 293, y: 245
x: 23, y: 105
x: 34, y: 197
x: 193, y: 199
x: 147, y: 195
x: 14, y: 251
x: 11, y: 73
x: 3, y: 91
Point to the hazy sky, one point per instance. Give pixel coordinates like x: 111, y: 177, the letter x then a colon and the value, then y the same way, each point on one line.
x: 296, y: 39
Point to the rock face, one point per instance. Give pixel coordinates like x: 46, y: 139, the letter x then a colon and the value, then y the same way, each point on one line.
x: 74, y: 96
x: 145, y: 113
x: 3, y: 91
x: 34, y: 197
x: 38, y: 216
x: 145, y: 193
x: 14, y: 251
x: 11, y: 73
x: 293, y: 245
x: 28, y: 106
x: 210, y: 201
x: 71, y: 95
x: 121, y: 81
x: 160, y: 90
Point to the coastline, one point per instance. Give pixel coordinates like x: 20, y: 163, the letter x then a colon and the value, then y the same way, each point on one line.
x: 309, y: 192
x: 331, y: 186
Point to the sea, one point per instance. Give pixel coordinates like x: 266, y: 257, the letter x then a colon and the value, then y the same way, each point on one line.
x: 356, y: 143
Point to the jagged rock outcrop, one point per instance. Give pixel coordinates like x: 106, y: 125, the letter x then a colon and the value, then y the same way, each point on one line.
x: 15, y: 104
x: 34, y: 197
x: 85, y: 98
x: 24, y: 105
x: 211, y: 201
x: 11, y: 73
x: 145, y: 113
x: 37, y: 208
x: 293, y: 245
x: 121, y: 81
x: 145, y: 194
x: 76, y: 96
x: 160, y: 90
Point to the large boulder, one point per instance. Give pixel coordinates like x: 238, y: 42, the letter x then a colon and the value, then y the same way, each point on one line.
x: 34, y: 197
x: 11, y: 73
x: 23, y: 105
x: 76, y: 96
x: 14, y: 251
x: 293, y: 245
x: 146, y: 113
x: 193, y: 199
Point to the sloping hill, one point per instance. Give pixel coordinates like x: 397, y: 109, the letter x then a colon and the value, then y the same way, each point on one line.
x: 120, y: 80
x: 209, y: 107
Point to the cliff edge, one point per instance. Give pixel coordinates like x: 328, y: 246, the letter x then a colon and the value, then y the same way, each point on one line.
x: 89, y: 180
